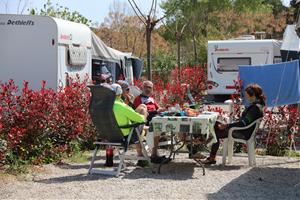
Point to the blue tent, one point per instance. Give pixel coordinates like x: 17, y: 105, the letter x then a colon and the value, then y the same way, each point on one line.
x: 280, y: 82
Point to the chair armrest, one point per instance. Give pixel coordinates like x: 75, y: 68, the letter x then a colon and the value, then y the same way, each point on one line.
x: 132, y: 125
x: 242, y: 128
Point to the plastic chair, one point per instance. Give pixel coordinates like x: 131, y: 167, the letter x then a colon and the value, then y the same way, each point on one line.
x: 228, y: 143
x: 101, y: 111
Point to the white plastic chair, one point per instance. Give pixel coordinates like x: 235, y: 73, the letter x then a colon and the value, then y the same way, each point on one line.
x: 228, y: 143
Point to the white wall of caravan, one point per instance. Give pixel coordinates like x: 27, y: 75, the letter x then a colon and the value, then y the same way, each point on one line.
x: 227, y: 78
x: 26, y: 51
x: 70, y: 33
x: 258, y: 51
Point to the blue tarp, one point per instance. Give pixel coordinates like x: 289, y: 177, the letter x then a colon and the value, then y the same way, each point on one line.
x: 277, y: 81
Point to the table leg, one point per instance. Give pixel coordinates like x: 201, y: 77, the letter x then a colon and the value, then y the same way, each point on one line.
x: 201, y: 164
x: 197, y: 160
x: 176, y: 151
x: 171, y: 152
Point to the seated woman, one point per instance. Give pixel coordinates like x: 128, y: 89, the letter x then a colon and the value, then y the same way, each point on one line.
x: 255, y: 96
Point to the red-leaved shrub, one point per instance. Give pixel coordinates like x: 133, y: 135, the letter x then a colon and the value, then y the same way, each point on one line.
x: 175, y: 89
x: 38, y: 126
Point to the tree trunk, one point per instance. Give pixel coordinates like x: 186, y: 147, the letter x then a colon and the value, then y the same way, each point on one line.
x: 134, y: 43
x: 178, y: 57
x: 126, y: 40
x: 195, y: 48
x: 149, y: 59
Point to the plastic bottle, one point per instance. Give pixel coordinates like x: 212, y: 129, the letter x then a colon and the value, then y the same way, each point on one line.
x: 109, y: 156
x: 177, y: 106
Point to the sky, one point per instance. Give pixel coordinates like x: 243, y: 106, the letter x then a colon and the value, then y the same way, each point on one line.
x: 95, y: 10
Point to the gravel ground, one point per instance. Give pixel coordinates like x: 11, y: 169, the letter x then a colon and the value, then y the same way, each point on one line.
x: 273, y: 178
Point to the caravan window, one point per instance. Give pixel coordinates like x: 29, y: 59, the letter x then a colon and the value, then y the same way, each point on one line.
x: 231, y: 64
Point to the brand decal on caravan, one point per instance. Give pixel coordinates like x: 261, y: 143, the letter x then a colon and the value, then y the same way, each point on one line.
x: 66, y: 37
x: 220, y: 49
x: 20, y: 22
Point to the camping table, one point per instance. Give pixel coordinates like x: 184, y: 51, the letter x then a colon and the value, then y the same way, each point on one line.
x: 202, y: 124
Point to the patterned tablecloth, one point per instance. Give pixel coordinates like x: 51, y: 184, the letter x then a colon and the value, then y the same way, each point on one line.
x: 202, y: 124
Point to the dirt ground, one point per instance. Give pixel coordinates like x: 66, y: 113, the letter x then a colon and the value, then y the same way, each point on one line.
x: 273, y: 178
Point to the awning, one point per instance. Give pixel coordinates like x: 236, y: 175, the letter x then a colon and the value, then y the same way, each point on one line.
x: 101, y: 51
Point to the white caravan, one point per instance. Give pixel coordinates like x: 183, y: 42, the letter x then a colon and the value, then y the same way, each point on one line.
x: 223, y: 58
x: 36, y: 48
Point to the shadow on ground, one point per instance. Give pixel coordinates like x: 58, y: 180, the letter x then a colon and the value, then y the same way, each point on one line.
x: 171, y: 171
x: 262, y: 183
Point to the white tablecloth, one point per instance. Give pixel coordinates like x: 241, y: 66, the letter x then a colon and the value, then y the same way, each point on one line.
x: 202, y: 124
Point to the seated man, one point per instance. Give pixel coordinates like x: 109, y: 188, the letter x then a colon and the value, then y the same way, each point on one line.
x: 145, y: 101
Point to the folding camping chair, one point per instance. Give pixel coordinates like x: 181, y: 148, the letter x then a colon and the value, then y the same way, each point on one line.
x: 228, y: 143
x: 101, y: 111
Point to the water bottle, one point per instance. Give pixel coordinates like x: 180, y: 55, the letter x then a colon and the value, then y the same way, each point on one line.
x: 177, y: 106
x: 109, y: 156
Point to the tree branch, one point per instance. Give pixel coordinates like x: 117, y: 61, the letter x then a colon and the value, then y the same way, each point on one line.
x: 6, y: 7
x: 168, y: 27
x: 138, y: 9
x: 144, y: 22
x: 183, y: 27
x: 151, y: 7
x: 154, y: 16
x: 18, y: 6
x: 24, y: 7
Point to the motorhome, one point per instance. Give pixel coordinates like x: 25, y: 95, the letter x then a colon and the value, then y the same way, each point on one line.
x: 36, y: 48
x: 225, y: 56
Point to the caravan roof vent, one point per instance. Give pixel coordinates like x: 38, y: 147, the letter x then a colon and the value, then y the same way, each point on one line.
x: 245, y: 37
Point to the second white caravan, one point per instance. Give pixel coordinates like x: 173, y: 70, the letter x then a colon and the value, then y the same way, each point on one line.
x: 223, y: 58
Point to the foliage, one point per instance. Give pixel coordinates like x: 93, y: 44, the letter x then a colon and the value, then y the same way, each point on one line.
x: 124, y: 31
x: 180, y: 79
x: 281, y: 128
x: 40, y: 126
x: 203, y: 20
x: 216, y: 19
x: 174, y: 90
x: 164, y: 63
x: 61, y: 12
x: 79, y: 157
